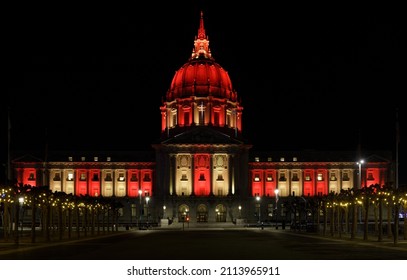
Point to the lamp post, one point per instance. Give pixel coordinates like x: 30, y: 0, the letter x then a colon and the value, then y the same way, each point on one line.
x: 164, y: 207
x: 360, y: 162
x: 276, y: 208
x: 360, y: 173
x: 140, y: 212
x: 147, y: 200
x: 240, y: 211
x: 21, y: 202
x: 259, y: 213
x: 185, y: 218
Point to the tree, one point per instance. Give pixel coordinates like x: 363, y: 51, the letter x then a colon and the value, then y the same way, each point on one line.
x: 367, y: 193
x: 380, y: 195
x: 35, y: 196
x: 355, y: 204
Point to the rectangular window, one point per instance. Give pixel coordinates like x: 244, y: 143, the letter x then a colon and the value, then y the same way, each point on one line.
x: 333, y: 177
x: 307, y: 177
x: 69, y: 177
x: 57, y: 176
x: 82, y: 177
x: 201, y: 177
x: 269, y: 178
x: 201, y: 109
x: 146, y: 177
x: 345, y: 176
x: 186, y: 118
x: 174, y: 120
x: 216, y: 118
x: 121, y: 177
x: 295, y: 177
x: 133, y: 177
x: 108, y: 177
x: 184, y: 177
x: 256, y: 177
x: 282, y: 177
x: 31, y: 177
x: 320, y: 177
x: 95, y: 177
x: 370, y: 176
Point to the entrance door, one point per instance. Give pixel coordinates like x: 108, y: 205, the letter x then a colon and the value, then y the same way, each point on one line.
x: 220, y: 213
x: 202, y: 214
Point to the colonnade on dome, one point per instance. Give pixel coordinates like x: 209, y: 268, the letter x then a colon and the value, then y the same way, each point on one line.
x: 201, y: 111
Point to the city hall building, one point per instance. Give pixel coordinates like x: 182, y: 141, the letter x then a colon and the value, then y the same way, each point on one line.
x: 202, y: 170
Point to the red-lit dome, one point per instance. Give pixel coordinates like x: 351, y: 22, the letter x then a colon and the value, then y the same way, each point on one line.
x: 201, y: 95
x: 201, y: 75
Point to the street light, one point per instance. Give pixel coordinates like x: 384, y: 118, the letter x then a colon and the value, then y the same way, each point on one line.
x: 240, y: 211
x: 259, y: 208
x: 164, y: 207
x: 360, y: 162
x: 21, y: 202
x: 147, y: 200
x: 139, y: 195
x: 185, y: 218
x: 276, y: 193
x: 360, y: 173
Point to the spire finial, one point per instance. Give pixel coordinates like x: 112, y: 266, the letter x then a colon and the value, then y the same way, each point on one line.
x: 201, y: 31
x: 201, y: 43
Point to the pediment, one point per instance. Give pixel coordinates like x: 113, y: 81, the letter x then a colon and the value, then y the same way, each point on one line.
x: 27, y: 158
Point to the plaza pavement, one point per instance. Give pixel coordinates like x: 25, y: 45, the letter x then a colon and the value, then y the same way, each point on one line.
x: 25, y: 243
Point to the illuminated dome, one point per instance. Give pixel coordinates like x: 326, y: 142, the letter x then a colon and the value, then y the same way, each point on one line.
x: 201, y: 95
x: 201, y: 75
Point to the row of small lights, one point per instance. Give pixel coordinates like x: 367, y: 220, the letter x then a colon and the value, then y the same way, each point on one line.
x: 6, y: 195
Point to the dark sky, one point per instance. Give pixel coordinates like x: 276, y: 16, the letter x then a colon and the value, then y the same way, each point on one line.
x: 308, y: 77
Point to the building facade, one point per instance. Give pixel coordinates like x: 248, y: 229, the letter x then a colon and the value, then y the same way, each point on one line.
x: 202, y: 170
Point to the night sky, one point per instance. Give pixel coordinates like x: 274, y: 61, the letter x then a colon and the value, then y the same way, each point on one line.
x: 324, y: 78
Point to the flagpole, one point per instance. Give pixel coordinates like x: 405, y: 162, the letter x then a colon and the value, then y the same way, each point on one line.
x: 8, y: 176
x: 396, y: 212
x: 44, y: 172
x: 397, y: 147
